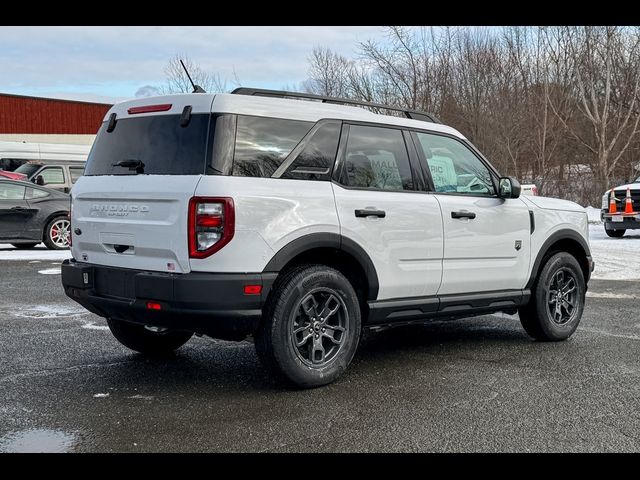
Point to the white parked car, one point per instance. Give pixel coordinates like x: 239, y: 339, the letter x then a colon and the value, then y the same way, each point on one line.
x: 529, y: 189
x: 301, y: 223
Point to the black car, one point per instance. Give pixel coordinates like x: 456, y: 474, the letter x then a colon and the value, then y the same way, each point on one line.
x: 30, y: 214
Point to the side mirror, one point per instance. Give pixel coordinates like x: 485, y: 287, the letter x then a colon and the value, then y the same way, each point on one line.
x: 40, y: 180
x: 509, y: 188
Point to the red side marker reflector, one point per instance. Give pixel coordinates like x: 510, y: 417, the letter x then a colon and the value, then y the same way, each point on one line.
x: 252, y: 289
x: 154, y: 306
x: 150, y: 108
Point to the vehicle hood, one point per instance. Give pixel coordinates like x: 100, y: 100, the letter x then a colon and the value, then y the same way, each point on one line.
x: 549, y: 203
x: 632, y: 186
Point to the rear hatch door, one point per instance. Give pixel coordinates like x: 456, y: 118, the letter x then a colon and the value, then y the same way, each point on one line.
x: 130, y: 208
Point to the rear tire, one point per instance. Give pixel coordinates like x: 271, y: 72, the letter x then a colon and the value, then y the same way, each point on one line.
x: 24, y: 246
x: 557, y: 302
x: 311, y: 326
x: 614, y: 233
x: 141, y: 339
x: 57, y: 233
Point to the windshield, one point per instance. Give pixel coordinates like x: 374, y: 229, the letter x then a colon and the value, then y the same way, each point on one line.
x: 28, y: 169
x: 155, y: 145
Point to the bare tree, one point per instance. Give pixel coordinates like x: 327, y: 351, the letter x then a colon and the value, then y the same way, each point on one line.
x: 559, y: 106
x: 328, y: 73
x: 178, y: 82
x: 605, y: 62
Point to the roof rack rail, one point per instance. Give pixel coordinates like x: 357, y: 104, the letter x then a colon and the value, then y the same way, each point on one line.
x: 412, y: 114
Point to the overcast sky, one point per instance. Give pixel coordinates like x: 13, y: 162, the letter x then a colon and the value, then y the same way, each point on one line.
x: 115, y: 62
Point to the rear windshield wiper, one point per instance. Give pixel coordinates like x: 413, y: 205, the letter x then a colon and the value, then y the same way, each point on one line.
x: 132, y: 164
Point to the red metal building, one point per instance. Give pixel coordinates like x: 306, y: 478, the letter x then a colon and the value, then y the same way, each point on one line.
x: 34, y: 115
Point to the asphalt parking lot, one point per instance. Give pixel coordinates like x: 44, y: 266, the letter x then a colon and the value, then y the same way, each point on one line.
x: 470, y: 385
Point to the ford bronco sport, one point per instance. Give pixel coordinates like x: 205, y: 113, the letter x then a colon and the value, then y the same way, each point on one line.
x: 300, y: 221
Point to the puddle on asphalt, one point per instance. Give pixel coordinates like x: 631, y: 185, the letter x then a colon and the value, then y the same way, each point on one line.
x: 37, y: 441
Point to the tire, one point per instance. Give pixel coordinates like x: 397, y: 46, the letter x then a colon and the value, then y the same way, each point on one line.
x: 294, y: 341
x: 614, y: 233
x: 141, y: 339
x: 24, y: 246
x: 57, y: 233
x: 539, y: 318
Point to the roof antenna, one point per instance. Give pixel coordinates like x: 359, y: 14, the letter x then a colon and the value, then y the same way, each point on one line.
x: 196, y: 88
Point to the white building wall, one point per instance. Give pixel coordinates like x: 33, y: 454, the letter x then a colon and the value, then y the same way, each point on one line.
x: 46, y: 138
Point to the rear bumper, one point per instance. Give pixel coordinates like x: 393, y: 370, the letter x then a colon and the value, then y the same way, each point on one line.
x: 213, y: 304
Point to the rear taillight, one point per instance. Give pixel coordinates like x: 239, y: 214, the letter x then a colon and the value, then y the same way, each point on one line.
x: 534, y: 190
x: 211, y: 225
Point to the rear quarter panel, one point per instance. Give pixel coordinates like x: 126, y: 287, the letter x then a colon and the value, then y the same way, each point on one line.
x: 270, y: 213
x: 46, y: 208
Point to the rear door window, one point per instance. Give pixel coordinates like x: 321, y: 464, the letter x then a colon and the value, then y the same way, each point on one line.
x: 35, y: 193
x: 315, y: 160
x: 157, y: 141
x: 76, y: 173
x: 376, y: 158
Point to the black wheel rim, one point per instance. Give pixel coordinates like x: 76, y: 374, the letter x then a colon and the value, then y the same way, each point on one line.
x: 319, y: 327
x: 562, y: 299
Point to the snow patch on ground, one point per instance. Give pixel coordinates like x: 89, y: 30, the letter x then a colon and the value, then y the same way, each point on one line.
x: 100, y: 395
x: 40, y: 252
x: 141, y: 397
x: 593, y: 214
x: 47, y: 311
x: 50, y: 271
x: 627, y: 296
x: 616, y: 258
x: 93, y: 326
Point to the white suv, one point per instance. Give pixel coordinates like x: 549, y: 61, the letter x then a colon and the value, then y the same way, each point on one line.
x: 303, y: 221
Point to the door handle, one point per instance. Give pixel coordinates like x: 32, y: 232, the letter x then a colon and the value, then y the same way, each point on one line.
x: 363, y: 213
x: 18, y: 208
x: 463, y: 214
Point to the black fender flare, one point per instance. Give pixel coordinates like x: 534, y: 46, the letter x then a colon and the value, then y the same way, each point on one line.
x: 564, y: 234
x: 326, y: 240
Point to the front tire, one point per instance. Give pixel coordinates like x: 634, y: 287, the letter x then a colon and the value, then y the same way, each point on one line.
x: 155, y: 342
x: 614, y: 233
x: 57, y: 233
x: 311, y: 326
x: 557, y: 302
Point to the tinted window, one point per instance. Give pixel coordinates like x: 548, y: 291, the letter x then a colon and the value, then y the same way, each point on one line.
x: 52, y: 175
x: 76, y: 173
x: 11, y: 192
x: 377, y: 158
x: 33, y: 193
x: 262, y: 144
x: 315, y: 161
x: 158, y: 141
x: 454, y: 168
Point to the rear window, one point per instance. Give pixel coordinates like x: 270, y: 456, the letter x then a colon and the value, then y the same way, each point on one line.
x: 158, y: 141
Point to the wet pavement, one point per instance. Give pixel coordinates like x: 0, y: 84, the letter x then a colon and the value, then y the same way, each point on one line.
x: 469, y: 385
